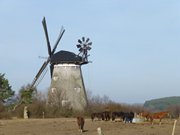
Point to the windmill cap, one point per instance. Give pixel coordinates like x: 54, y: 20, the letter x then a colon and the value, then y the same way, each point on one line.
x: 66, y: 57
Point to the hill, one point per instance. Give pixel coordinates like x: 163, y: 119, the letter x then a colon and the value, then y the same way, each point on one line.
x: 162, y: 104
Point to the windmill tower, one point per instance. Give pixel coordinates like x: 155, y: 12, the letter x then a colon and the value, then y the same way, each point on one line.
x: 67, y: 87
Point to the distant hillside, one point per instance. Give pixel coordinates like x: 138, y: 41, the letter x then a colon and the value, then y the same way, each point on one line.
x: 162, y: 103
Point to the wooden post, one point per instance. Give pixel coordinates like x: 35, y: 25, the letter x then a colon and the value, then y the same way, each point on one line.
x: 43, y: 115
x: 174, y: 126
x: 99, y: 131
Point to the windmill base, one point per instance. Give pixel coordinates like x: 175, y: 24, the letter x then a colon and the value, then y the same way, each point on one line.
x: 67, y: 87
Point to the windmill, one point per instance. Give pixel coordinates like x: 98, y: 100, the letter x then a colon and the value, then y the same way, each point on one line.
x: 67, y: 87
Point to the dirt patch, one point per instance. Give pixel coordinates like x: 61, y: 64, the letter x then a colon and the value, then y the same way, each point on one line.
x: 68, y: 126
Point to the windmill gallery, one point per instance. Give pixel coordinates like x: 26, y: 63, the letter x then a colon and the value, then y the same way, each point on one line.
x: 67, y: 86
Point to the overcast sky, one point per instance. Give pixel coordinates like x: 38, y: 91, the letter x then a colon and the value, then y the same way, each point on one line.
x: 136, y: 44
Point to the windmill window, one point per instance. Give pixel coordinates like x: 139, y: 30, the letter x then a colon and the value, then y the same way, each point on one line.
x: 65, y: 103
x: 77, y: 89
x: 55, y: 78
x: 53, y: 90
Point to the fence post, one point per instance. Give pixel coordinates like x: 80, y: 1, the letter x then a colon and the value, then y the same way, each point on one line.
x: 99, y: 131
x: 174, y: 126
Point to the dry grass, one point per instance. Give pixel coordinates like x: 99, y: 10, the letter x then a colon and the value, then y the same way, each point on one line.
x: 68, y: 126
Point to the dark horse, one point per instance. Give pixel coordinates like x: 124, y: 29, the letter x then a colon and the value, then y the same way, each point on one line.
x: 101, y: 116
x: 125, y: 116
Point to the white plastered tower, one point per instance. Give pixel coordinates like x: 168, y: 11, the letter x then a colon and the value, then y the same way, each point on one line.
x: 67, y: 87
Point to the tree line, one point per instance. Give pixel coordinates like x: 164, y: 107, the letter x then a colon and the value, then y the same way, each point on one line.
x: 12, y: 104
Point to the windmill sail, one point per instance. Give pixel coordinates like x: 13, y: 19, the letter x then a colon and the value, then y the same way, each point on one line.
x: 59, y: 38
x: 39, y: 73
x: 50, y: 52
x: 46, y: 35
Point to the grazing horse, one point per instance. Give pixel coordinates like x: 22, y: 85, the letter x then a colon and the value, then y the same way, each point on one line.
x: 80, y: 122
x: 117, y: 115
x: 158, y: 115
x: 128, y: 117
x: 145, y: 115
x: 99, y: 116
x: 106, y: 115
x: 125, y: 116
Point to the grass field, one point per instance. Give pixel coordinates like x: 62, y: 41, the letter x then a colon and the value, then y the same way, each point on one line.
x: 68, y: 126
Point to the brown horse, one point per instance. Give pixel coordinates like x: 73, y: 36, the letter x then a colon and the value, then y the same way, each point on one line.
x: 80, y: 122
x: 158, y: 115
x: 145, y: 115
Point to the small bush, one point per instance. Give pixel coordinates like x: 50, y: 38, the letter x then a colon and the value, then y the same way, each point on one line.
x: 36, y: 109
x: 19, y: 112
x: 4, y: 114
